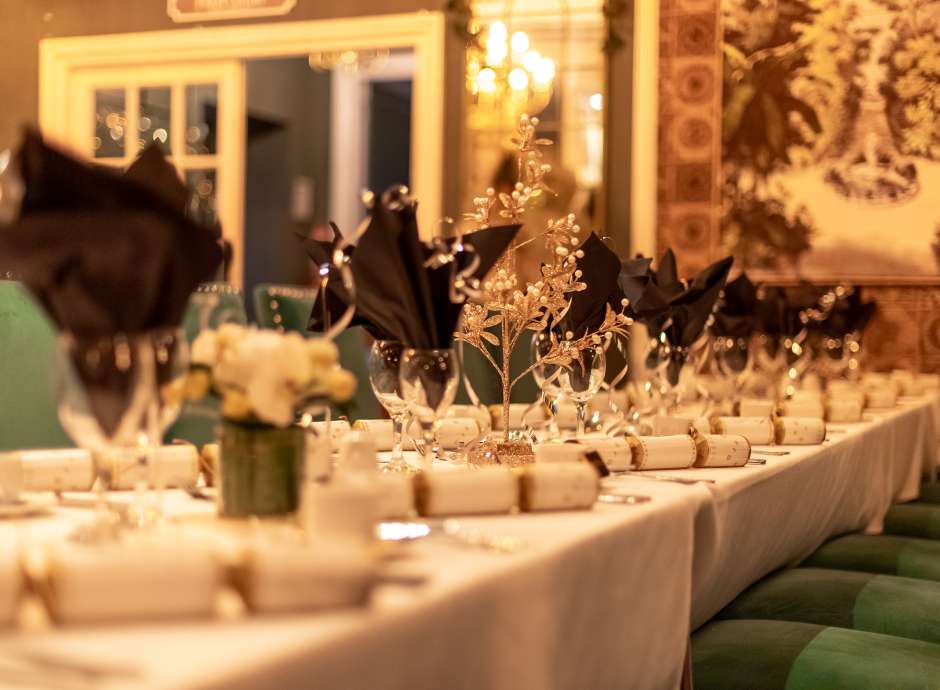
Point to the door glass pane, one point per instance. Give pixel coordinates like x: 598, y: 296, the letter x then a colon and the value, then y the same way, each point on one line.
x: 201, y: 117
x: 202, y: 200
x: 154, y: 121
x: 110, y: 123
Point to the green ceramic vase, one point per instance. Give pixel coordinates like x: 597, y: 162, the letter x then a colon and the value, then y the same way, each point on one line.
x: 260, y: 470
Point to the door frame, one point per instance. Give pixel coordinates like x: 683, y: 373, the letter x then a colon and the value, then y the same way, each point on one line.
x: 422, y: 32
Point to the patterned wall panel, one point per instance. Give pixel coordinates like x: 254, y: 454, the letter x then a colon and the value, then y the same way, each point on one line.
x: 906, y: 330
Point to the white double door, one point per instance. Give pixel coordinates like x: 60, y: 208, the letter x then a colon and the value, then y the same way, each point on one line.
x: 196, y: 111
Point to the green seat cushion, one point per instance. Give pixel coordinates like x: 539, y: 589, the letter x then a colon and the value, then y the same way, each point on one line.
x: 918, y: 519
x: 784, y: 655
x: 884, y: 554
x: 886, y: 604
x: 930, y: 492
x: 27, y: 370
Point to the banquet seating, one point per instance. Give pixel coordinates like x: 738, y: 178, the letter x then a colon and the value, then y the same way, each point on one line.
x: 918, y: 519
x: 27, y: 350
x: 787, y: 655
x: 883, y: 554
x: 288, y: 307
x: 211, y: 306
x: 283, y: 307
x: 887, y: 604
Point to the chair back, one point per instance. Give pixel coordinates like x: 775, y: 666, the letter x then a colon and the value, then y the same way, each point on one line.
x: 28, y: 417
x: 284, y: 307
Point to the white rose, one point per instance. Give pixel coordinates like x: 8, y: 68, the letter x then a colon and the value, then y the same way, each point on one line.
x: 277, y: 378
x: 323, y: 353
x: 239, y: 360
x: 205, y: 349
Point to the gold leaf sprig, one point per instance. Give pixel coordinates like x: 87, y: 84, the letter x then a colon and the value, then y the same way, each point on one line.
x: 537, y: 305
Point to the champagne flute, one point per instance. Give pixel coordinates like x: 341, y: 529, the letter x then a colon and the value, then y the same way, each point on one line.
x: 385, y: 378
x: 429, y: 380
x: 582, y: 380
x: 104, y: 390
x: 546, y: 378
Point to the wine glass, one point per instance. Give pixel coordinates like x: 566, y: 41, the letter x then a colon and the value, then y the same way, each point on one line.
x: 546, y: 377
x: 104, y: 392
x: 429, y: 381
x: 384, y: 376
x: 169, y: 350
x: 733, y: 363
x: 582, y: 380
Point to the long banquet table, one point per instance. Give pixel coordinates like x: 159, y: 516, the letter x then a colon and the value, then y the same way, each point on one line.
x: 598, y: 599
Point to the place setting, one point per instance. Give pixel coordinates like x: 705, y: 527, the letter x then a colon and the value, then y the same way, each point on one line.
x: 433, y: 349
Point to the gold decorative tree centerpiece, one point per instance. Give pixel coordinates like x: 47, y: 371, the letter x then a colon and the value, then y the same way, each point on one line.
x: 535, y: 306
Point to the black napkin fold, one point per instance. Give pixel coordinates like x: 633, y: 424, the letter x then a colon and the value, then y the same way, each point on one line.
x: 397, y: 296
x: 105, y: 253
x: 850, y: 314
x: 675, y: 312
x: 783, y: 313
x: 736, y: 317
x: 600, y: 270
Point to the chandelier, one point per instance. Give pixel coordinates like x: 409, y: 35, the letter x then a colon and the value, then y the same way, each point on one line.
x: 505, y: 73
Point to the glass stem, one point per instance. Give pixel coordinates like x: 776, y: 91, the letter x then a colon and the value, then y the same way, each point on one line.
x: 398, y: 459
x: 582, y: 411
x: 429, y: 442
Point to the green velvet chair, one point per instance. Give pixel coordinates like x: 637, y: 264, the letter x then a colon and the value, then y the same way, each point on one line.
x: 884, y: 554
x: 288, y: 307
x: 917, y: 519
x: 210, y: 306
x: 786, y: 655
x: 930, y: 492
x: 27, y: 357
x: 899, y: 606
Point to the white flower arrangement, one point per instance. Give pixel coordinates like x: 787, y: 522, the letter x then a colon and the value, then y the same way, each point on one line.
x: 266, y: 376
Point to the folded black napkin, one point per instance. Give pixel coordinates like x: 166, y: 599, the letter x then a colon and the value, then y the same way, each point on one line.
x: 398, y: 296
x: 784, y: 313
x: 736, y: 315
x: 105, y: 254
x: 849, y: 315
x: 674, y: 312
x: 600, y: 270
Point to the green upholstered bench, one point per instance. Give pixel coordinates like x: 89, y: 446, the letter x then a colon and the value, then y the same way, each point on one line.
x: 884, y: 554
x: 210, y: 306
x: 899, y: 606
x: 27, y: 360
x: 917, y: 519
x: 288, y: 307
x: 784, y: 655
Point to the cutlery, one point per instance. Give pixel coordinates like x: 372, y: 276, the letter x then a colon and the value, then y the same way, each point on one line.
x: 773, y: 452
x: 665, y: 478
x: 757, y: 461
x: 452, y: 529
x: 623, y: 499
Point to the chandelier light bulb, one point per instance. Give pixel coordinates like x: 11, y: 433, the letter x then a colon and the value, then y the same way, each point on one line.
x: 486, y: 80
x: 531, y: 60
x: 518, y: 80
x: 596, y: 101
x: 544, y: 72
x: 519, y: 42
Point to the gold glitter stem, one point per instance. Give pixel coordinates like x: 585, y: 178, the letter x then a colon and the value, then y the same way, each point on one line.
x: 507, y: 387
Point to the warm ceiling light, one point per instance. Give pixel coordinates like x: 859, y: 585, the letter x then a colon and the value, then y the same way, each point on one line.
x: 497, y: 30
x: 519, y: 42
x: 544, y: 71
x: 486, y: 80
x: 531, y: 60
x: 596, y: 101
x: 518, y: 80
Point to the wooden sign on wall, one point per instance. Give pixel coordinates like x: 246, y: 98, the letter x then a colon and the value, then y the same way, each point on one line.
x: 208, y: 10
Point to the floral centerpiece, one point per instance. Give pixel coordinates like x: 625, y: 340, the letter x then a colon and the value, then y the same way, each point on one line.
x: 264, y: 379
x: 503, y: 301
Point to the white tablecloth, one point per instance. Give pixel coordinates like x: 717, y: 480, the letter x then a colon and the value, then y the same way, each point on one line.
x: 756, y: 519
x: 599, y: 599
